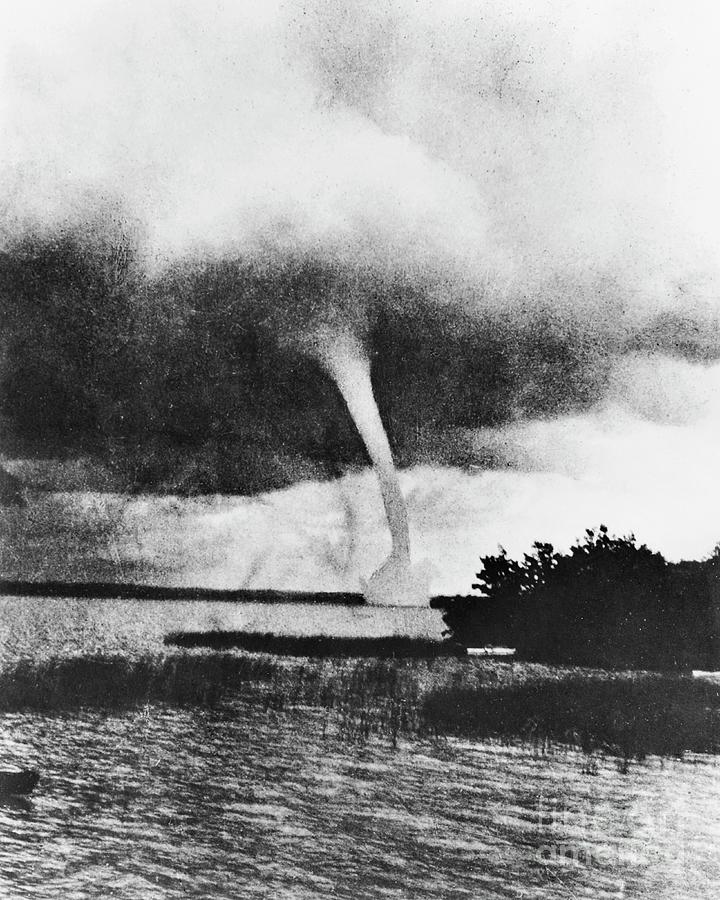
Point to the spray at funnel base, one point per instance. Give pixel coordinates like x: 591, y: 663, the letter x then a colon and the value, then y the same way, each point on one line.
x: 396, y: 582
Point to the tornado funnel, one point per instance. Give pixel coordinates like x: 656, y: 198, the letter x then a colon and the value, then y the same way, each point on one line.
x: 396, y: 582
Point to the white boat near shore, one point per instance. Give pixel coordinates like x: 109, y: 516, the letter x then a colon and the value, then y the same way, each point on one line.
x: 707, y: 676
x: 491, y: 651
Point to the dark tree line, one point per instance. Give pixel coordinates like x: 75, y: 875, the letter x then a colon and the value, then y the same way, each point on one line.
x: 607, y: 602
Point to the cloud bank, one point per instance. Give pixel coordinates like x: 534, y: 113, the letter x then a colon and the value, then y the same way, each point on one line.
x: 482, y: 149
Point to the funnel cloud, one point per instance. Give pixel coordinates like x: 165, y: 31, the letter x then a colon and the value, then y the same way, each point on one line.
x: 395, y: 582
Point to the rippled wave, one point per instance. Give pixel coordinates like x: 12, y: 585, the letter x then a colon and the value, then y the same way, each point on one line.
x: 239, y: 801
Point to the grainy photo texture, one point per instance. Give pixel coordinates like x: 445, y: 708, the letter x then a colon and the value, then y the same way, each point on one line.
x: 359, y: 436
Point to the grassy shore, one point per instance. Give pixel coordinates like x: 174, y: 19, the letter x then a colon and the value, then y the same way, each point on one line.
x: 621, y: 714
x: 627, y: 716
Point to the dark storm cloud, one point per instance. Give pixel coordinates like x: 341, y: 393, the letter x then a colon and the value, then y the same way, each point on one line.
x: 492, y: 198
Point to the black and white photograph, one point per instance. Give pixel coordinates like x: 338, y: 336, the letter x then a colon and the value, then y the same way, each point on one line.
x: 359, y: 449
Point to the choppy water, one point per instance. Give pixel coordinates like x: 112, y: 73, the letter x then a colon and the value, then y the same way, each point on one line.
x: 240, y: 802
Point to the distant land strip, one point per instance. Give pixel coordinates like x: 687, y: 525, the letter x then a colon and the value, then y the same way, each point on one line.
x: 104, y: 590
x: 315, y: 645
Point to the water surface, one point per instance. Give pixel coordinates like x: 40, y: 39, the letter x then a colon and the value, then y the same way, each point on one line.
x: 44, y: 626
x: 238, y: 801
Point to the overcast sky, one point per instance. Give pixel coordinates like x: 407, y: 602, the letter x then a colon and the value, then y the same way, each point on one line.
x: 528, y: 189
